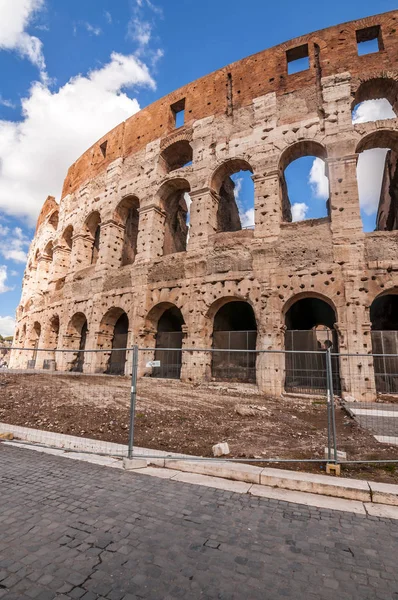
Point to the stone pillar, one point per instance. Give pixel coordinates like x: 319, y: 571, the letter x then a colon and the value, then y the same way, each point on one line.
x: 43, y: 273
x: 111, y: 245
x: 203, y: 217
x: 61, y: 262
x: 346, y: 223
x: 81, y: 251
x: 150, y: 233
x: 267, y: 206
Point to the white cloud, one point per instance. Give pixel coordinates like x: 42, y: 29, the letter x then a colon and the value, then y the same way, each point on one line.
x: 7, y: 326
x: 57, y: 127
x: 371, y: 163
x: 13, y: 244
x: 92, y: 29
x: 318, y: 180
x: 140, y: 31
x: 299, y: 211
x: 247, y: 218
x: 373, y: 110
x: 238, y: 187
x: 7, y: 103
x: 370, y: 171
x: 108, y: 17
x: 3, y: 279
x: 15, y: 16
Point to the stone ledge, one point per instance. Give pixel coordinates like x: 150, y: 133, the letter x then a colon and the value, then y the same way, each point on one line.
x: 369, y: 492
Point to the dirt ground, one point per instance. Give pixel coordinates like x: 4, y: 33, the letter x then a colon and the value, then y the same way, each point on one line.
x: 181, y: 417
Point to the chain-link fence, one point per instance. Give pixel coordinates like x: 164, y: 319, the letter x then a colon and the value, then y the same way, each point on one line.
x: 269, y: 406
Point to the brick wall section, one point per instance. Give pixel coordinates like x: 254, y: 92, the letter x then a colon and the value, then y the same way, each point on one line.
x: 252, y: 77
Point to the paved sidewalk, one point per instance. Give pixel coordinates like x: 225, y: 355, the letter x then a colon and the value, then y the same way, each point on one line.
x: 70, y: 529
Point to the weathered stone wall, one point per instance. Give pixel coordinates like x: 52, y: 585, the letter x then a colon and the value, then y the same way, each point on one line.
x: 249, y: 115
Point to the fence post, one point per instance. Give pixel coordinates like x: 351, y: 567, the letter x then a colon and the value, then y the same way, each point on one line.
x: 331, y: 415
x: 133, y: 396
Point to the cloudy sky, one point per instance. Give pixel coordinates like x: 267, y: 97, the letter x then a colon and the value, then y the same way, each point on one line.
x: 73, y: 70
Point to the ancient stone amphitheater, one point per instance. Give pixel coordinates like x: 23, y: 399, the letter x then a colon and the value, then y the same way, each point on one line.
x: 112, y: 264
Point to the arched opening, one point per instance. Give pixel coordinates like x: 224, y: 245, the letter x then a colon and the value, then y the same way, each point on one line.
x: 169, y: 336
x: 304, y: 183
x: 52, y: 344
x: 309, y: 333
x: 53, y: 220
x: 384, y: 332
x: 175, y: 201
x: 127, y: 216
x: 233, y: 184
x: 93, y: 229
x: 234, y: 328
x: 67, y: 238
x: 113, y: 336
x: 34, y: 343
x: 377, y: 175
x: 375, y: 100
x: 176, y: 156
x: 66, y: 244
x: 49, y: 251
x: 77, y: 337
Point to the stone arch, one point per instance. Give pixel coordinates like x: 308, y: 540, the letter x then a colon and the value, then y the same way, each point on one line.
x: 295, y: 151
x: 92, y: 228
x: 126, y: 215
x: 167, y: 326
x: 65, y: 245
x: 75, y: 339
x: 383, y: 314
x: 376, y: 88
x: 228, y: 217
x: 175, y: 156
x: 310, y: 320
x: 49, y: 250
x: 113, y: 337
x: 34, y: 342
x: 302, y: 295
x: 234, y: 328
x: 67, y: 238
x: 173, y: 201
x: 386, y: 139
x: 53, y: 219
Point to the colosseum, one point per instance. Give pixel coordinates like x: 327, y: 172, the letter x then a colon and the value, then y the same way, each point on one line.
x: 125, y: 259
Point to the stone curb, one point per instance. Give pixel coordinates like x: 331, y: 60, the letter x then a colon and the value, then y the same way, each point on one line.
x: 337, y: 487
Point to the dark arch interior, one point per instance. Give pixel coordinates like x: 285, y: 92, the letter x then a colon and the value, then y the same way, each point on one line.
x: 309, y: 332
x: 177, y: 155
x: 308, y: 313
x: 234, y: 328
x: 117, y: 359
x: 235, y: 316
x: 384, y: 335
x: 384, y: 313
x: 78, y: 363
x: 169, y: 336
x: 176, y: 226
x: 171, y: 320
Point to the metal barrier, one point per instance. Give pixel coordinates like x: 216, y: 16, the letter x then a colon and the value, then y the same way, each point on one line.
x: 270, y: 406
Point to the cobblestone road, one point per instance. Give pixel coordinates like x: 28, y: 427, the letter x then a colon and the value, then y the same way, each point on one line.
x: 70, y: 529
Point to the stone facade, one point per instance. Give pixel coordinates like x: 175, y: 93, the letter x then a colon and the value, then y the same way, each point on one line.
x: 131, y: 185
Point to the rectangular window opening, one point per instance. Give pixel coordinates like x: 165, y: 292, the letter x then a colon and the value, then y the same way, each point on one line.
x: 103, y: 148
x: 369, y: 40
x: 178, y: 112
x: 297, y: 59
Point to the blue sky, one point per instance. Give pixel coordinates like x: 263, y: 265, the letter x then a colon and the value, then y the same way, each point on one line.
x: 72, y: 70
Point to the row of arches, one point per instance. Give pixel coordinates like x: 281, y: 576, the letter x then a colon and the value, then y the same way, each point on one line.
x: 175, y: 206
x: 309, y: 328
